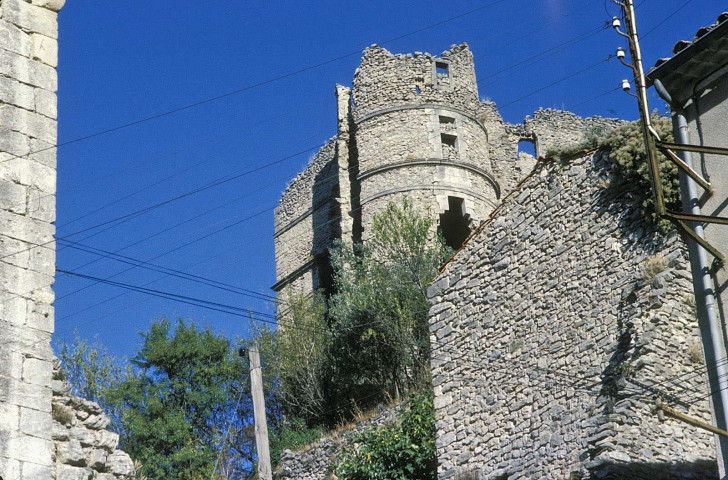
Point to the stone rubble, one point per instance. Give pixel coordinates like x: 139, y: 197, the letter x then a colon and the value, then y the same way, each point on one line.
x: 84, y: 449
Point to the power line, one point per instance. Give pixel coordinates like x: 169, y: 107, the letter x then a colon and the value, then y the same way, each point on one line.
x: 171, y: 200
x: 251, y: 86
x: 643, y: 35
x: 562, y: 79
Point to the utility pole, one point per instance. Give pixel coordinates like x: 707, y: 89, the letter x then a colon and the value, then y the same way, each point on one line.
x: 261, y: 426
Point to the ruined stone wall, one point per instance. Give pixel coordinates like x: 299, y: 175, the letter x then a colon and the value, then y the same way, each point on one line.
x: 418, y: 136
x: 306, y: 221
x: 316, y: 461
x: 28, y: 84
x: 385, y: 80
x: 82, y: 447
x: 546, y: 327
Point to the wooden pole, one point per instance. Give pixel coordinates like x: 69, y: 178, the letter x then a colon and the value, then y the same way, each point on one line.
x: 261, y: 426
x: 689, y: 420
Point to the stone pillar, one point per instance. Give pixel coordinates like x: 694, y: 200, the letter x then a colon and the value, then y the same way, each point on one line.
x: 343, y: 102
x: 28, y: 84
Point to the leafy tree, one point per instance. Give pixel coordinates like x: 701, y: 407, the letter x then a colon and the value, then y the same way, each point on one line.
x: 181, y: 407
x: 402, y: 451
x: 296, y: 357
x: 188, y: 385
x: 380, y: 337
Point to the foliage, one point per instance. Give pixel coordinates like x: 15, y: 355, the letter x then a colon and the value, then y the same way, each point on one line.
x: 297, y: 356
x: 626, y: 147
x: 380, y: 338
x: 93, y: 374
x: 402, y: 451
x: 180, y: 407
x: 291, y: 435
x: 185, y: 388
x: 369, y: 342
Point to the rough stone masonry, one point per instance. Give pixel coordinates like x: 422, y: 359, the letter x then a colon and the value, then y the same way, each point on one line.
x: 412, y: 128
x: 553, y: 331
x: 28, y: 84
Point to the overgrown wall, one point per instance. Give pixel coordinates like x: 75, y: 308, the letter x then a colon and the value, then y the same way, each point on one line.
x: 316, y: 461
x: 28, y: 84
x: 548, y: 326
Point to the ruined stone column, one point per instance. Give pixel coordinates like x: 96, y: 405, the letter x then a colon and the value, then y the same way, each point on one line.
x: 343, y: 102
x: 28, y: 84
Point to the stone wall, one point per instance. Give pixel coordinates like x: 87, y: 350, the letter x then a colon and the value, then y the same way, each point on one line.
x: 83, y: 448
x: 28, y: 84
x: 547, y: 330
x: 316, y: 461
x: 307, y: 221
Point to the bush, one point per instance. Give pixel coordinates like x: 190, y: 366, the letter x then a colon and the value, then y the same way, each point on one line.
x: 401, y: 451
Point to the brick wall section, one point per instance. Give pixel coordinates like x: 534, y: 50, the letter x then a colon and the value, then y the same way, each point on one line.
x: 28, y: 83
x: 536, y: 325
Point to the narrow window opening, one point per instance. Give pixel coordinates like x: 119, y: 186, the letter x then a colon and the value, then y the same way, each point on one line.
x: 442, y: 74
x: 447, y: 124
x: 449, y: 146
x: 417, y: 89
x: 454, y: 223
x: 526, y: 155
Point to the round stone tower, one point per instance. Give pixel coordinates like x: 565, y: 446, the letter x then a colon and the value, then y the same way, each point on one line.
x: 417, y: 136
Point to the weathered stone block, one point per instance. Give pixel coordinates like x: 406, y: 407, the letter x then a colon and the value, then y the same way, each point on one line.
x: 69, y: 472
x: 27, y: 229
x: 31, y: 18
x: 30, y: 449
x: 44, y: 49
x: 33, y: 471
x: 14, y: 39
x: 37, y: 371
x: 16, y: 93
x: 11, y: 144
x: 9, y: 417
x: 106, y: 440
x: 54, y: 5
x: 28, y: 123
x: 40, y: 317
x: 30, y: 396
x: 13, y: 197
x: 70, y: 453
x: 12, y: 310
x: 120, y: 463
x: 46, y: 103
x: 26, y: 70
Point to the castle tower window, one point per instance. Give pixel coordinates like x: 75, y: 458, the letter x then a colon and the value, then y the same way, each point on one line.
x: 454, y: 223
x: 442, y: 74
x: 449, y: 146
x: 447, y: 124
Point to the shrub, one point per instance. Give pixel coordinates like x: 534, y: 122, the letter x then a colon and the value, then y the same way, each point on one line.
x: 401, y: 451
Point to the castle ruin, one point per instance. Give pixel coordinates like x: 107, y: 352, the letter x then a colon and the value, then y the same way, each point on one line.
x: 412, y: 127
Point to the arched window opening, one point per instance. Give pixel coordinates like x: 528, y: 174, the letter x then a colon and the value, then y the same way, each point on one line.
x: 454, y: 223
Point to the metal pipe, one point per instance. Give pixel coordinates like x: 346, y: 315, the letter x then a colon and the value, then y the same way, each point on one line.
x: 703, y: 287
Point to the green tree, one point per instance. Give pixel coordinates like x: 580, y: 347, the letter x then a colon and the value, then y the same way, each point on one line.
x: 380, y: 337
x: 188, y: 386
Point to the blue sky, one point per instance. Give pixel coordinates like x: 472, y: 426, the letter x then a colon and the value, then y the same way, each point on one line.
x: 124, y: 61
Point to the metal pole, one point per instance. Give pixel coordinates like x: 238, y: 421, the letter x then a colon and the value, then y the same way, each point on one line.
x: 708, y: 317
x: 261, y: 426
